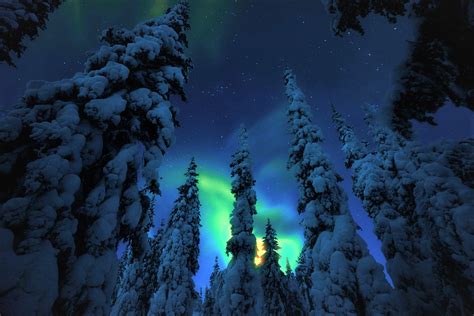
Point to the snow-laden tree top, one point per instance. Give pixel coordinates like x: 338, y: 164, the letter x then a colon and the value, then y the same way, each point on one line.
x: 301, y: 129
x: 242, y: 240
x: 71, y: 153
x: 175, y: 294
x: 353, y: 149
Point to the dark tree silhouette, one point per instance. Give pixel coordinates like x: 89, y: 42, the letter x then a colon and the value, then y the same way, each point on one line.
x: 21, y: 19
x: 440, y: 66
x: 274, y: 291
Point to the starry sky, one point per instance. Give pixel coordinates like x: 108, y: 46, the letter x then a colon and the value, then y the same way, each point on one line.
x: 240, y: 49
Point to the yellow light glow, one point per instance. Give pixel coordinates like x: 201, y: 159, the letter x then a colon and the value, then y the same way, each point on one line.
x: 260, y: 252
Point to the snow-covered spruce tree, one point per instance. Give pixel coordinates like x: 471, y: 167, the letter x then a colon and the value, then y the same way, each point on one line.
x: 198, y: 304
x: 241, y: 293
x: 461, y: 161
x: 211, y: 308
x: 385, y: 182
x: 288, y: 271
x: 20, y: 19
x: 375, y: 181
x: 121, y: 274
x: 444, y: 204
x: 137, y: 278
x: 431, y: 197
x: 345, y: 278
x: 387, y: 141
x: 440, y: 65
x: 70, y: 156
x: 293, y: 296
x: 353, y: 148
x: 216, y: 270
x: 175, y: 294
x: 393, y: 183
x: 303, y: 280
x: 137, y: 275
x: 274, y: 291
x: 127, y: 273
x: 151, y: 264
x: 129, y: 295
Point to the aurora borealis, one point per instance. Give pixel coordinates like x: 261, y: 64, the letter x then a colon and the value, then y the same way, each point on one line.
x: 217, y: 202
x: 239, y: 50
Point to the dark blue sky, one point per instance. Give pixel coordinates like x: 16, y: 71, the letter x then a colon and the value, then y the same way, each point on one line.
x: 240, y: 49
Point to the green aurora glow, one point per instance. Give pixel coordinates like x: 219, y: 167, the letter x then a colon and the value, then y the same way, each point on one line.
x: 84, y: 18
x: 217, y: 203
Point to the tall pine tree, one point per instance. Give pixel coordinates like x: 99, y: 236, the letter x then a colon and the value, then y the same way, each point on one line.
x: 274, y: 291
x: 175, y: 294
x: 294, y: 299
x: 303, y: 280
x: 211, y: 308
x: 198, y: 304
x: 428, y: 268
x: 345, y: 279
x: 353, y: 148
x: 130, y: 291
x: 209, y: 303
x: 151, y: 264
x: 444, y: 203
x: 216, y: 270
x: 71, y: 154
x: 240, y: 293
x: 288, y: 271
x: 137, y: 277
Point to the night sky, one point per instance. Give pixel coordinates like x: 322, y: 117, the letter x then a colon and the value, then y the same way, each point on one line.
x: 240, y: 49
